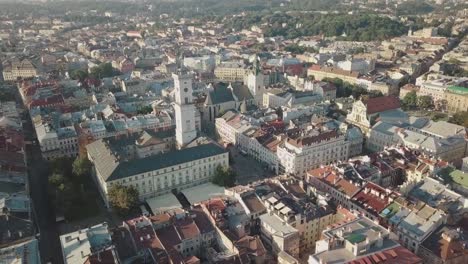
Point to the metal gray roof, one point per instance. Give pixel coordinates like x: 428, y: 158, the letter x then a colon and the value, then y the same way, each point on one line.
x: 110, y: 169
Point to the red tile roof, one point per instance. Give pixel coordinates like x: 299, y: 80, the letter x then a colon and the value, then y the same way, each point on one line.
x: 253, y: 203
x: 375, y: 197
x: 294, y: 69
x: 308, y: 140
x: 252, y: 245
x: 201, y: 220
x: 104, y: 257
x: 341, y: 184
x: 381, y: 104
x: 192, y: 260
x: 347, y: 187
x: 169, y: 236
x: 320, y: 172
x: 451, y: 249
x: 53, y: 100
x: 187, y: 228
x: 329, y: 87
x: 394, y: 255
x: 215, y: 204
x: 145, y: 238
x: 160, y: 218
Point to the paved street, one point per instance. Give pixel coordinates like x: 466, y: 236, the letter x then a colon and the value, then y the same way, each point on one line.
x: 44, y: 215
x: 247, y: 169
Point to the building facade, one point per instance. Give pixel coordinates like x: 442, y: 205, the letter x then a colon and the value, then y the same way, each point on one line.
x: 158, y: 174
x: 19, y: 69
x: 300, y: 154
x: 457, y: 99
x: 365, y: 113
x: 230, y: 71
x: 321, y: 73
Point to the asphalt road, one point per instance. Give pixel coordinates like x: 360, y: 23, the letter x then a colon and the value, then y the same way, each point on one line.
x: 44, y: 215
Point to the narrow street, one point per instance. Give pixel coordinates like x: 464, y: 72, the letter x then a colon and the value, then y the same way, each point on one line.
x: 44, y: 216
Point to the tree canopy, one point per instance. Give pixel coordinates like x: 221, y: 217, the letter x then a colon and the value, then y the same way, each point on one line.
x: 103, y: 70
x: 413, y: 7
x: 6, y: 95
x: 455, y: 70
x: 79, y: 75
x: 225, y: 177
x: 365, y: 27
x: 123, y: 198
x: 145, y: 110
x: 460, y: 118
x: 70, y: 188
x: 296, y: 49
x: 346, y: 89
x: 425, y: 102
x: 81, y: 167
x: 410, y: 100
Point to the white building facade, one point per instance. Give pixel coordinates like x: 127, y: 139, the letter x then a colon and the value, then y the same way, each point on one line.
x: 297, y: 156
x: 156, y: 175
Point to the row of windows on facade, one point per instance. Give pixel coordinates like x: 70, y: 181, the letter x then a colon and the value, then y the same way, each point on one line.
x: 158, y: 180
x: 327, y: 148
x: 54, y: 141
x: 211, y: 167
x: 326, y: 154
x: 312, y: 166
x: 143, y: 188
x: 65, y: 149
x: 316, y: 160
x: 157, y: 172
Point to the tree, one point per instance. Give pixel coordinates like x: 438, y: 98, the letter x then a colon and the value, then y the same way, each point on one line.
x: 79, y: 75
x: 341, y: 91
x: 62, y: 165
x: 357, y: 91
x: 438, y: 116
x: 102, y: 71
x: 460, y: 118
x: 413, y: 7
x: 296, y: 49
x: 375, y: 93
x: 225, y: 177
x: 58, y: 181
x: 357, y: 50
x: 123, y: 198
x: 81, y: 167
x: 410, y: 100
x: 425, y: 102
x: 6, y: 95
x: 145, y: 110
x: 444, y: 175
x: 279, y: 112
